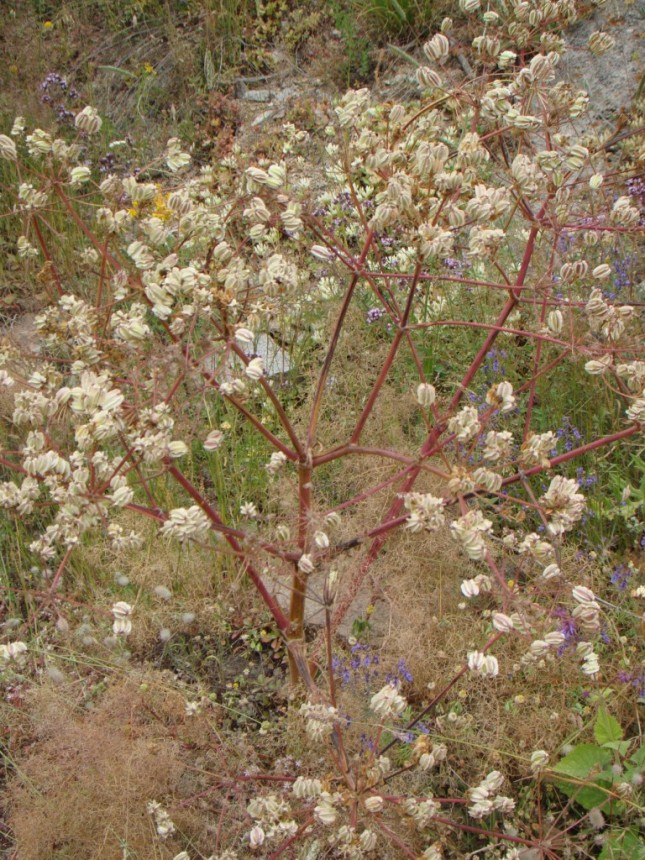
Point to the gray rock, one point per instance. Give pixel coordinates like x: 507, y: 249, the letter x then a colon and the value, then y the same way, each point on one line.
x: 257, y: 96
x: 612, y: 78
x: 265, y: 116
x: 276, y: 360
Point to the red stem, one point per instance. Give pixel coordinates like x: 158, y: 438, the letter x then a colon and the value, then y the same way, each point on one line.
x: 47, y: 255
x: 271, y: 603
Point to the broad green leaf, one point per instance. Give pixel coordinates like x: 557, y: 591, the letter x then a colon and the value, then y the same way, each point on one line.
x: 621, y: 747
x: 606, y: 728
x: 639, y: 756
x: 623, y: 845
x: 583, y: 761
x: 585, y: 765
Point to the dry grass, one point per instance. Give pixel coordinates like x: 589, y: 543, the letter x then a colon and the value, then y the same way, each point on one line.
x: 81, y: 785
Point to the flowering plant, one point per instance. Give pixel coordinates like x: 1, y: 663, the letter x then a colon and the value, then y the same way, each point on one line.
x: 190, y: 279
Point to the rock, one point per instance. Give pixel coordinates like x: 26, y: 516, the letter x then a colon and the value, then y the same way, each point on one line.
x: 257, y: 96
x: 612, y: 78
x: 276, y: 360
x: 265, y: 116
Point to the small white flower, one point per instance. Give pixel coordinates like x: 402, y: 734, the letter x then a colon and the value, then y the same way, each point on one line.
x: 79, y: 175
x: 469, y: 588
x: 244, y: 335
x: 213, y: 440
x: 276, y: 462
x: 388, y: 702
x: 590, y: 665
x: 321, y: 540
x: 437, y: 49
x: 88, y: 120
x: 374, y: 803
x: 18, y: 126
x: 501, y: 397
x: 304, y: 787
x: 306, y: 564
x: 426, y: 511
x: 176, y: 159
x: 248, y: 510
x: 122, y: 497
x: 503, y: 623
x: 368, y: 840
x: 320, y: 252
x: 426, y: 394
x: 177, y: 449
x: 551, y: 571
x: 596, y: 367
x: 465, y: 424
x: 483, y: 664
x: 582, y: 594
x: 539, y: 759
x: 555, y: 321
x: 13, y: 651
x: 254, y: 369
x: 325, y: 811
x: 186, y: 524
x: 256, y: 837
x: 122, y: 624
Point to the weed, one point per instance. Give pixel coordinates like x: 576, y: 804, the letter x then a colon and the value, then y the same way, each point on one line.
x: 445, y: 290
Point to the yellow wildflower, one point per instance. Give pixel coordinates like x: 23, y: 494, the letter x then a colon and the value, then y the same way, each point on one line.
x: 47, y: 25
x: 161, y: 210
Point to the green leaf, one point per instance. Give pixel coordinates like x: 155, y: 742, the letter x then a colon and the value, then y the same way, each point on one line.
x: 606, y: 728
x: 583, y: 761
x: 585, y: 765
x: 124, y: 72
x: 639, y: 756
x: 400, y: 12
x: 621, y: 747
x: 623, y: 845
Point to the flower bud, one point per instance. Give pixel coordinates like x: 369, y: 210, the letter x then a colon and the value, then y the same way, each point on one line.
x: 538, y: 759
x: 254, y: 369
x: 600, y: 43
x: 320, y: 252
x: 427, y: 77
x: 555, y: 321
x: 374, y: 803
x: 598, y: 367
x: 437, y: 49
x: 502, y: 622
x: 582, y: 594
x: 601, y: 272
x: 7, y: 148
x: 213, y: 440
x: 426, y: 395
x: 244, y: 335
x: 88, y: 120
x: 79, y: 175
x: 305, y: 564
x: 256, y: 837
x: 506, y: 58
x: 551, y: 571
